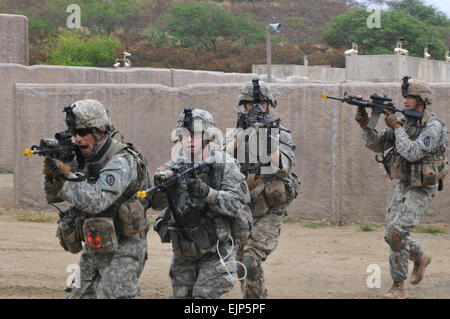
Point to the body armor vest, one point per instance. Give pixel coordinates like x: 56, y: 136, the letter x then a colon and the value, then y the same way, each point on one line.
x: 429, y: 170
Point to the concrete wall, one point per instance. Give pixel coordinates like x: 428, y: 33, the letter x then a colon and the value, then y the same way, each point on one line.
x: 313, y: 73
x: 14, y: 73
x: 391, y: 68
x: 340, y: 179
x: 13, y: 39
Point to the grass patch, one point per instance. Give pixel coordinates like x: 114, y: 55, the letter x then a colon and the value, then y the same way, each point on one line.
x: 368, y: 226
x: 36, y: 217
x: 291, y: 220
x: 430, y: 229
x: 6, y: 170
x: 317, y: 225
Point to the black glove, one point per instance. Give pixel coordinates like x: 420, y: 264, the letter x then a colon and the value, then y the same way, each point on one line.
x: 362, y: 117
x: 197, y: 188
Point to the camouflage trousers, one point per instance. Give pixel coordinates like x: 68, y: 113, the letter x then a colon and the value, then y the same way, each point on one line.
x: 203, y: 278
x: 116, y: 277
x: 407, y: 208
x: 262, y: 242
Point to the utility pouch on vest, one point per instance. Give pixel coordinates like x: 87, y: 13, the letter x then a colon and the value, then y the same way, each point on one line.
x: 100, y: 237
x: 436, y: 168
x: 181, y: 246
x: 69, y: 232
x: 258, y: 205
x: 275, y: 193
x: 132, y: 218
x: 396, y: 166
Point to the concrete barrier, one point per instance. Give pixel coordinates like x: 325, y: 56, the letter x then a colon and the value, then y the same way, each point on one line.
x: 13, y: 39
x: 313, y: 73
x: 391, y: 68
x: 340, y: 180
x: 15, y: 73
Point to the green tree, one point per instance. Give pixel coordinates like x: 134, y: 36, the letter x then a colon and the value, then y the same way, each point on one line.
x: 74, y: 48
x: 203, y: 24
x: 352, y: 26
x: 96, y: 15
x: 422, y: 12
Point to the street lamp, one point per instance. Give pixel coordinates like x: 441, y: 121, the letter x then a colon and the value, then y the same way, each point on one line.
x: 276, y: 27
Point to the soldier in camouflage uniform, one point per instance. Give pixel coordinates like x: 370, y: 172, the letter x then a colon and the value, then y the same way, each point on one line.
x: 210, y: 207
x: 104, y: 214
x: 418, y: 158
x: 271, y: 193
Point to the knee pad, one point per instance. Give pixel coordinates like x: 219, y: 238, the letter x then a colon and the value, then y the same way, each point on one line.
x: 394, y: 238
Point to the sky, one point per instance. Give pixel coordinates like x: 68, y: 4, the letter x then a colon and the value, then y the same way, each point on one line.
x: 441, y: 5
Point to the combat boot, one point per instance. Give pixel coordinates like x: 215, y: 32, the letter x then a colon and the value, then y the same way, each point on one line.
x: 397, y: 291
x: 419, y: 269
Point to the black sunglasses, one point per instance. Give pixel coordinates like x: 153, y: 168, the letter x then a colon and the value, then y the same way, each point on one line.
x: 82, y: 132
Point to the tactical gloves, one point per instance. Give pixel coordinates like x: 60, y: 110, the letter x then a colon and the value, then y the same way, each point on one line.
x: 197, y: 188
x: 362, y: 117
x: 50, y: 169
x: 392, y: 121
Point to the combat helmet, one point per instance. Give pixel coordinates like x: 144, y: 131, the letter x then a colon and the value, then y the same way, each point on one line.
x: 247, y: 93
x: 192, y: 116
x: 88, y: 114
x: 417, y: 88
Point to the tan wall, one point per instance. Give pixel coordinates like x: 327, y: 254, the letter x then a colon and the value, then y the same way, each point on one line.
x: 14, y: 73
x: 313, y: 73
x: 340, y: 178
x: 391, y: 68
x: 13, y: 39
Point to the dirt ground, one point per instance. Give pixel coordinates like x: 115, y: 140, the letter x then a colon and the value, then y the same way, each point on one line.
x: 326, y: 262
x: 329, y: 262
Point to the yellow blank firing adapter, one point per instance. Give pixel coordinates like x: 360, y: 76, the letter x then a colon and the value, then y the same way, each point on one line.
x: 28, y: 153
x: 324, y: 96
x: 141, y: 194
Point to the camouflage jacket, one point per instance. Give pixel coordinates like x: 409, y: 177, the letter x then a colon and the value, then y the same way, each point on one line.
x: 98, y: 193
x: 412, y: 141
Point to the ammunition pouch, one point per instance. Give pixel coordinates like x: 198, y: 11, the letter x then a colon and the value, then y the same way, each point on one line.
x: 100, y: 238
x: 275, y: 193
x: 396, y: 166
x: 70, y: 232
x: 258, y: 204
x: 435, y: 167
x: 131, y: 218
x: 429, y: 171
x: 194, y: 241
x: 281, y: 191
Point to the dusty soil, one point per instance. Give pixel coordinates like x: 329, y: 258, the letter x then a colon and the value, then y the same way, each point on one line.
x: 329, y: 262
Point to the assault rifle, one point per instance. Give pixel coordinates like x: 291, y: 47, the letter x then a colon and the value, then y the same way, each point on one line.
x: 257, y: 116
x: 378, y: 103
x: 177, y: 201
x: 180, y: 171
x: 64, y: 150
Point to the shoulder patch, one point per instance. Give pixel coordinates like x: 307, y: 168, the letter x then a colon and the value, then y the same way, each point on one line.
x: 426, y: 141
x: 244, y: 188
x: 110, y: 179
